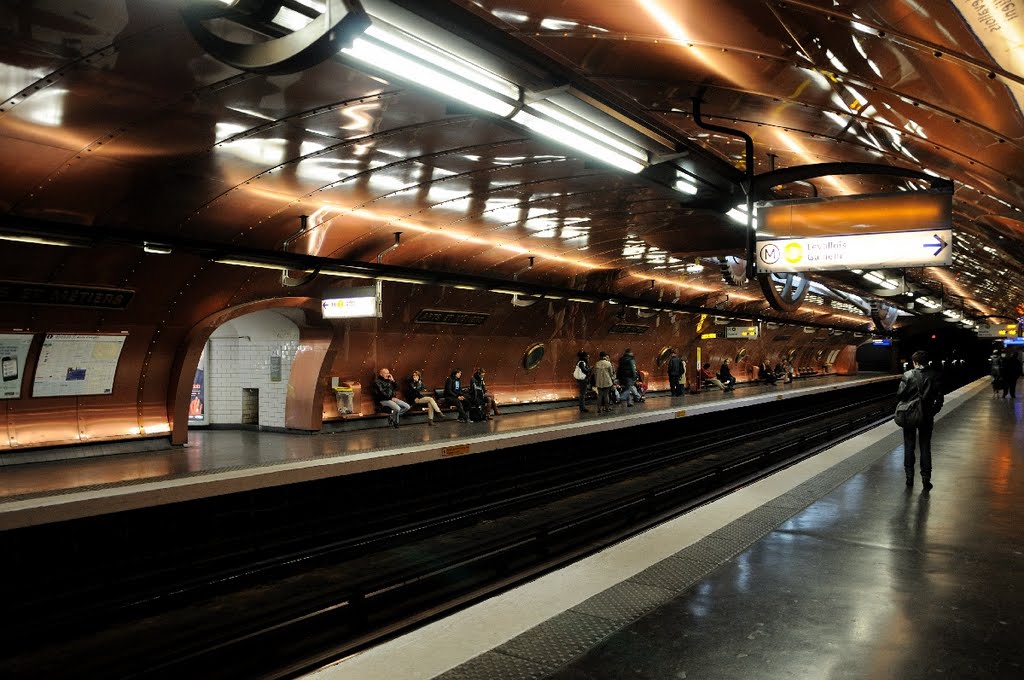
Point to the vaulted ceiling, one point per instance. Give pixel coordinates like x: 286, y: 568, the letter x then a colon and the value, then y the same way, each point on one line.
x: 111, y: 115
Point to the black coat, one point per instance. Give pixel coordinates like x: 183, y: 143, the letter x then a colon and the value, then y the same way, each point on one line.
x: 675, y: 366
x: 925, y: 384
x: 452, y: 388
x: 384, y: 389
x: 415, y: 390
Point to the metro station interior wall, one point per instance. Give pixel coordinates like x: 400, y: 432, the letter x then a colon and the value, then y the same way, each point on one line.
x: 397, y: 342
x: 239, y: 357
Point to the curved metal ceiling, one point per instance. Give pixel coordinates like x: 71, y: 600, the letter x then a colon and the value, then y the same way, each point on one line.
x: 111, y: 115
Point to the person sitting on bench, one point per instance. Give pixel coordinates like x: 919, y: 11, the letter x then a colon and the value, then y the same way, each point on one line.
x: 454, y: 396
x: 726, y: 376
x: 385, y: 390
x: 708, y: 378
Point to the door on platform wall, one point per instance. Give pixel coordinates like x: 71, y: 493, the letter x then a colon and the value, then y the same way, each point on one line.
x: 246, y: 368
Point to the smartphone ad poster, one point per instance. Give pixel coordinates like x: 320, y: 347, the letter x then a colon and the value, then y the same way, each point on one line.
x: 13, y: 352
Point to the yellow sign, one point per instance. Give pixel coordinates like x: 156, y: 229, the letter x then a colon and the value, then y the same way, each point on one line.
x: 458, y: 450
x: 700, y: 324
x: 709, y: 336
x: 681, y: 414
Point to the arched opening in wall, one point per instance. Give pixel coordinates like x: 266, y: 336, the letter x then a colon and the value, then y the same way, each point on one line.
x: 243, y: 374
x: 663, y: 354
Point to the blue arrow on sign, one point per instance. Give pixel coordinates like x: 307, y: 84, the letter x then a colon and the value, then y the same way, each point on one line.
x: 939, y: 244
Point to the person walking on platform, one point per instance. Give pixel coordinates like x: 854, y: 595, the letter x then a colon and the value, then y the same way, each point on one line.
x: 627, y: 374
x: 604, y: 378
x: 582, y: 375
x: 676, y: 371
x: 920, y: 396
x: 416, y: 395
x: 726, y: 377
x: 1010, y: 369
x: 995, y: 369
x: 454, y: 396
x: 385, y: 390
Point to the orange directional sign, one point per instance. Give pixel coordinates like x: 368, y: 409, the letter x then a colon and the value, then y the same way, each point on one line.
x: 856, y: 232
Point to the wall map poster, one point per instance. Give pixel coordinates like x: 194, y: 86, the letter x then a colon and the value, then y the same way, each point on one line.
x: 13, y: 352
x: 73, y: 365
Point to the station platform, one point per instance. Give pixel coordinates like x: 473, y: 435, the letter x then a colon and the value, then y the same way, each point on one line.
x: 831, y: 568
x: 218, y: 462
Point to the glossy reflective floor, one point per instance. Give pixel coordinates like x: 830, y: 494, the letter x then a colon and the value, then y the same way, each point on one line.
x: 218, y: 450
x: 873, y: 581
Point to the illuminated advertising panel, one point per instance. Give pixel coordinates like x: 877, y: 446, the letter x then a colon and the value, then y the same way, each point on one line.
x: 350, y: 303
x: 73, y: 365
x: 13, y: 352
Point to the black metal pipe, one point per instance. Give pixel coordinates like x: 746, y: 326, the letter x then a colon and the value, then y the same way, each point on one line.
x: 748, y: 182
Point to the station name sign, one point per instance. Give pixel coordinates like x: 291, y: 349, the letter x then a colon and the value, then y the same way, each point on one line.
x: 21, y: 292
x: 451, y: 318
x: 908, y: 229
x: 628, y: 329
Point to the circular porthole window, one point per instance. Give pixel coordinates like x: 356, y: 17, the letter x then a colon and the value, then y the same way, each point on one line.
x: 819, y: 354
x: 791, y: 354
x: 663, y: 354
x: 533, y: 356
x: 741, y: 355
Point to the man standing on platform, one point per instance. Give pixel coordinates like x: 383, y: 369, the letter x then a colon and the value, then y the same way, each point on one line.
x: 675, y: 373
x: 920, y: 383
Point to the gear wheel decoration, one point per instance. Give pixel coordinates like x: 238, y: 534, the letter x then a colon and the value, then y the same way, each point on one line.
x: 883, y: 315
x: 734, y: 270
x: 790, y: 296
x: 341, y: 22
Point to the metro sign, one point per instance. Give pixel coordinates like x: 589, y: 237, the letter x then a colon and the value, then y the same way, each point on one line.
x: 877, y: 231
x: 930, y: 248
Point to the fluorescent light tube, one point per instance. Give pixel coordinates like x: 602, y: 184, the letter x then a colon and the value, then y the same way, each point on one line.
x: 399, y: 279
x: 573, y: 299
x: 39, y: 240
x: 156, y: 249
x: 352, y: 275
x: 261, y: 265
x: 578, y: 124
x: 583, y: 144
x: 397, y: 54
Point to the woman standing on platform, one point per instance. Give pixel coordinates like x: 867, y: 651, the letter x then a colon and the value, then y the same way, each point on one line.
x: 582, y: 375
x: 604, y: 378
x: 920, y: 396
x: 416, y: 395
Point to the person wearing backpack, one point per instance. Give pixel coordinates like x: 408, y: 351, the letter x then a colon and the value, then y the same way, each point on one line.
x: 581, y: 372
x: 920, y: 398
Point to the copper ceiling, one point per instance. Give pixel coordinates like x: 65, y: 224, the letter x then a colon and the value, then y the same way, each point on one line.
x: 112, y: 116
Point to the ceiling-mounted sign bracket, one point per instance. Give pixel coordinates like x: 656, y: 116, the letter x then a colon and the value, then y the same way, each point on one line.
x: 790, y: 296
x: 341, y: 22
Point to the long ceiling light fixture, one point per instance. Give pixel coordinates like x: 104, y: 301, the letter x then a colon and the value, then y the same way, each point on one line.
x: 558, y: 114
x: 399, y: 54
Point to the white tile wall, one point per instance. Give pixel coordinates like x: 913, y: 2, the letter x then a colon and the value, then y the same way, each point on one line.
x: 238, y: 361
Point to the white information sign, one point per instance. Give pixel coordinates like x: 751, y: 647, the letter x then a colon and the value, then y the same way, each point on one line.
x: 13, y: 352
x: 350, y: 308
x: 932, y: 248
x: 73, y: 365
x: 749, y: 332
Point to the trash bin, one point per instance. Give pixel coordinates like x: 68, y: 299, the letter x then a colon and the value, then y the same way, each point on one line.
x: 345, y: 399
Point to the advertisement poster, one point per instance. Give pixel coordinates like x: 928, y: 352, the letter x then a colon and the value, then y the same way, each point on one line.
x: 74, y: 365
x: 13, y: 352
x: 197, y: 402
